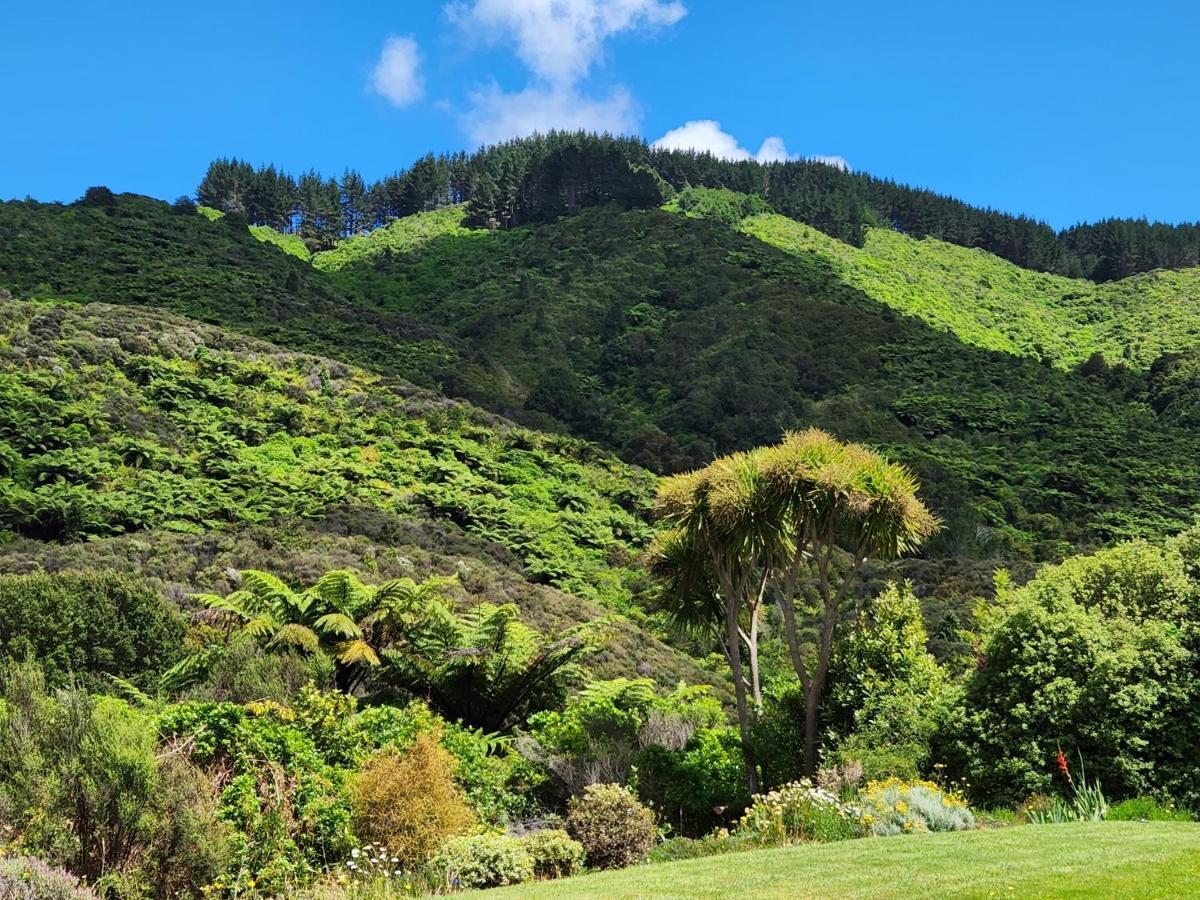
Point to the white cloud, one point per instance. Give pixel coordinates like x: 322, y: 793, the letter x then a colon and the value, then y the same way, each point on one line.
x: 397, y: 76
x: 838, y: 162
x: 495, y: 116
x: 772, y: 150
x: 707, y: 136
x: 703, y: 136
x: 559, y: 40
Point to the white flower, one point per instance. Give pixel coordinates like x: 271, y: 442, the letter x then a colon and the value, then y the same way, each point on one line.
x: 354, y: 853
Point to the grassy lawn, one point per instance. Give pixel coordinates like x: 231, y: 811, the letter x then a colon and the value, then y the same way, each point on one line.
x: 1107, y: 859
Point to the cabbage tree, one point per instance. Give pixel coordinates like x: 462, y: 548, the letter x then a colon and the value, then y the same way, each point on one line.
x: 792, y: 523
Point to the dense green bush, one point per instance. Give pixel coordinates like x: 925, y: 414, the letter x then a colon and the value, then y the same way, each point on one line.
x: 1096, y: 656
x: 614, y: 828
x: 886, y: 696
x: 83, y: 784
x: 886, y: 693
x: 88, y: 624
x: 287, y: 806
x: 483, y: 861
x: 555, y: 854
x: 606, y: 726
x: 698, y: 786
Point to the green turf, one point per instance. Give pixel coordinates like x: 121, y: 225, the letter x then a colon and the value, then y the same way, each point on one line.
x: 1106, y: 859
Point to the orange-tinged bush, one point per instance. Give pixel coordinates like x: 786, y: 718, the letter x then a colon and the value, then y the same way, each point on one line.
x: 410, y: 803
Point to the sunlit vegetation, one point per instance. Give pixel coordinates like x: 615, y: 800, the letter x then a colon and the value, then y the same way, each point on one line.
x: 776, y: 513
x: 990, y: 303
x: 116, y: 420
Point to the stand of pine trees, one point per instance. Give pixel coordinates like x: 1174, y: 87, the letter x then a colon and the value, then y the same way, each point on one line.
x: 546, y: 176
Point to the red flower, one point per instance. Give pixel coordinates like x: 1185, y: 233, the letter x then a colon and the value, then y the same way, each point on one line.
x: 1062, y: 764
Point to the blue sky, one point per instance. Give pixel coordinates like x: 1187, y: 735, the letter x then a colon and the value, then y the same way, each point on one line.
x: 1064, y: 110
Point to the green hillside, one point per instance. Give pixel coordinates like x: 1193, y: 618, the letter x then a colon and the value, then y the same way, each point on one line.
x: 145, y: 436
x: 116, y: 420
x: 988, y: 302
x: 401, y: 236
x: 328, y: 565
x: 670, y: 338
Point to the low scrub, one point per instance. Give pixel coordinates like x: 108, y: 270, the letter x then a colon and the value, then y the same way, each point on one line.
x: 483, y: 861
x: 555, y: 854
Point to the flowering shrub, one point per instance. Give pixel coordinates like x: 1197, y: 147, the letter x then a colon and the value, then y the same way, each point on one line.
x: 799, y: 811
x: 483, y: 861
x: 555, y: 853
x: 372, y: 861
x: 28, y: 878
x: 905, y: 807
x: 616, y: 830
x: 1086, y: 804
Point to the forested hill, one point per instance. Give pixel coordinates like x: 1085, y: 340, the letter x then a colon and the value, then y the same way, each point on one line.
x: 670, y: 338
x: 540, y: 178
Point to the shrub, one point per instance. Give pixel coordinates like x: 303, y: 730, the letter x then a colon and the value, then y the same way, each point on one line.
x: 555, y: 854
x: 79, y: 779
x: 90, y: 624
x: 483, y: 861
x: 689, y: 786
x: 241, y: 671
x: 1098, y: 654
x: 495, y: 779
x: 902, y: 807
x: 410, y: 803
x: 190, y: 846
x: 798, y: 812
x: 615, y: 829
x: 885, y: 690
x: 1147, y: 809
x: 28, y: 878
x: 713, y: 844
x: 611, y: 727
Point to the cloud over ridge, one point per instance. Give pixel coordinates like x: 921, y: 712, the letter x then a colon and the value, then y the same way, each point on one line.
x: 397, y: 75
x: 707, y: 136
x: 558, y: 42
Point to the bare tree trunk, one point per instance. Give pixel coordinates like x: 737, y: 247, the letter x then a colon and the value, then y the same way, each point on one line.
x: 752, y: 653
x: 739, y: 689
x: 812, y: 706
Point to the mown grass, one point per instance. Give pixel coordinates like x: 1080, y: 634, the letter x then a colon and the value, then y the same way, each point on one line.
x: 1105, y: 859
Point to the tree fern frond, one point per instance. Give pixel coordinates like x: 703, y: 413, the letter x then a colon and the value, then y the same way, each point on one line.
x: 296, y: 636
